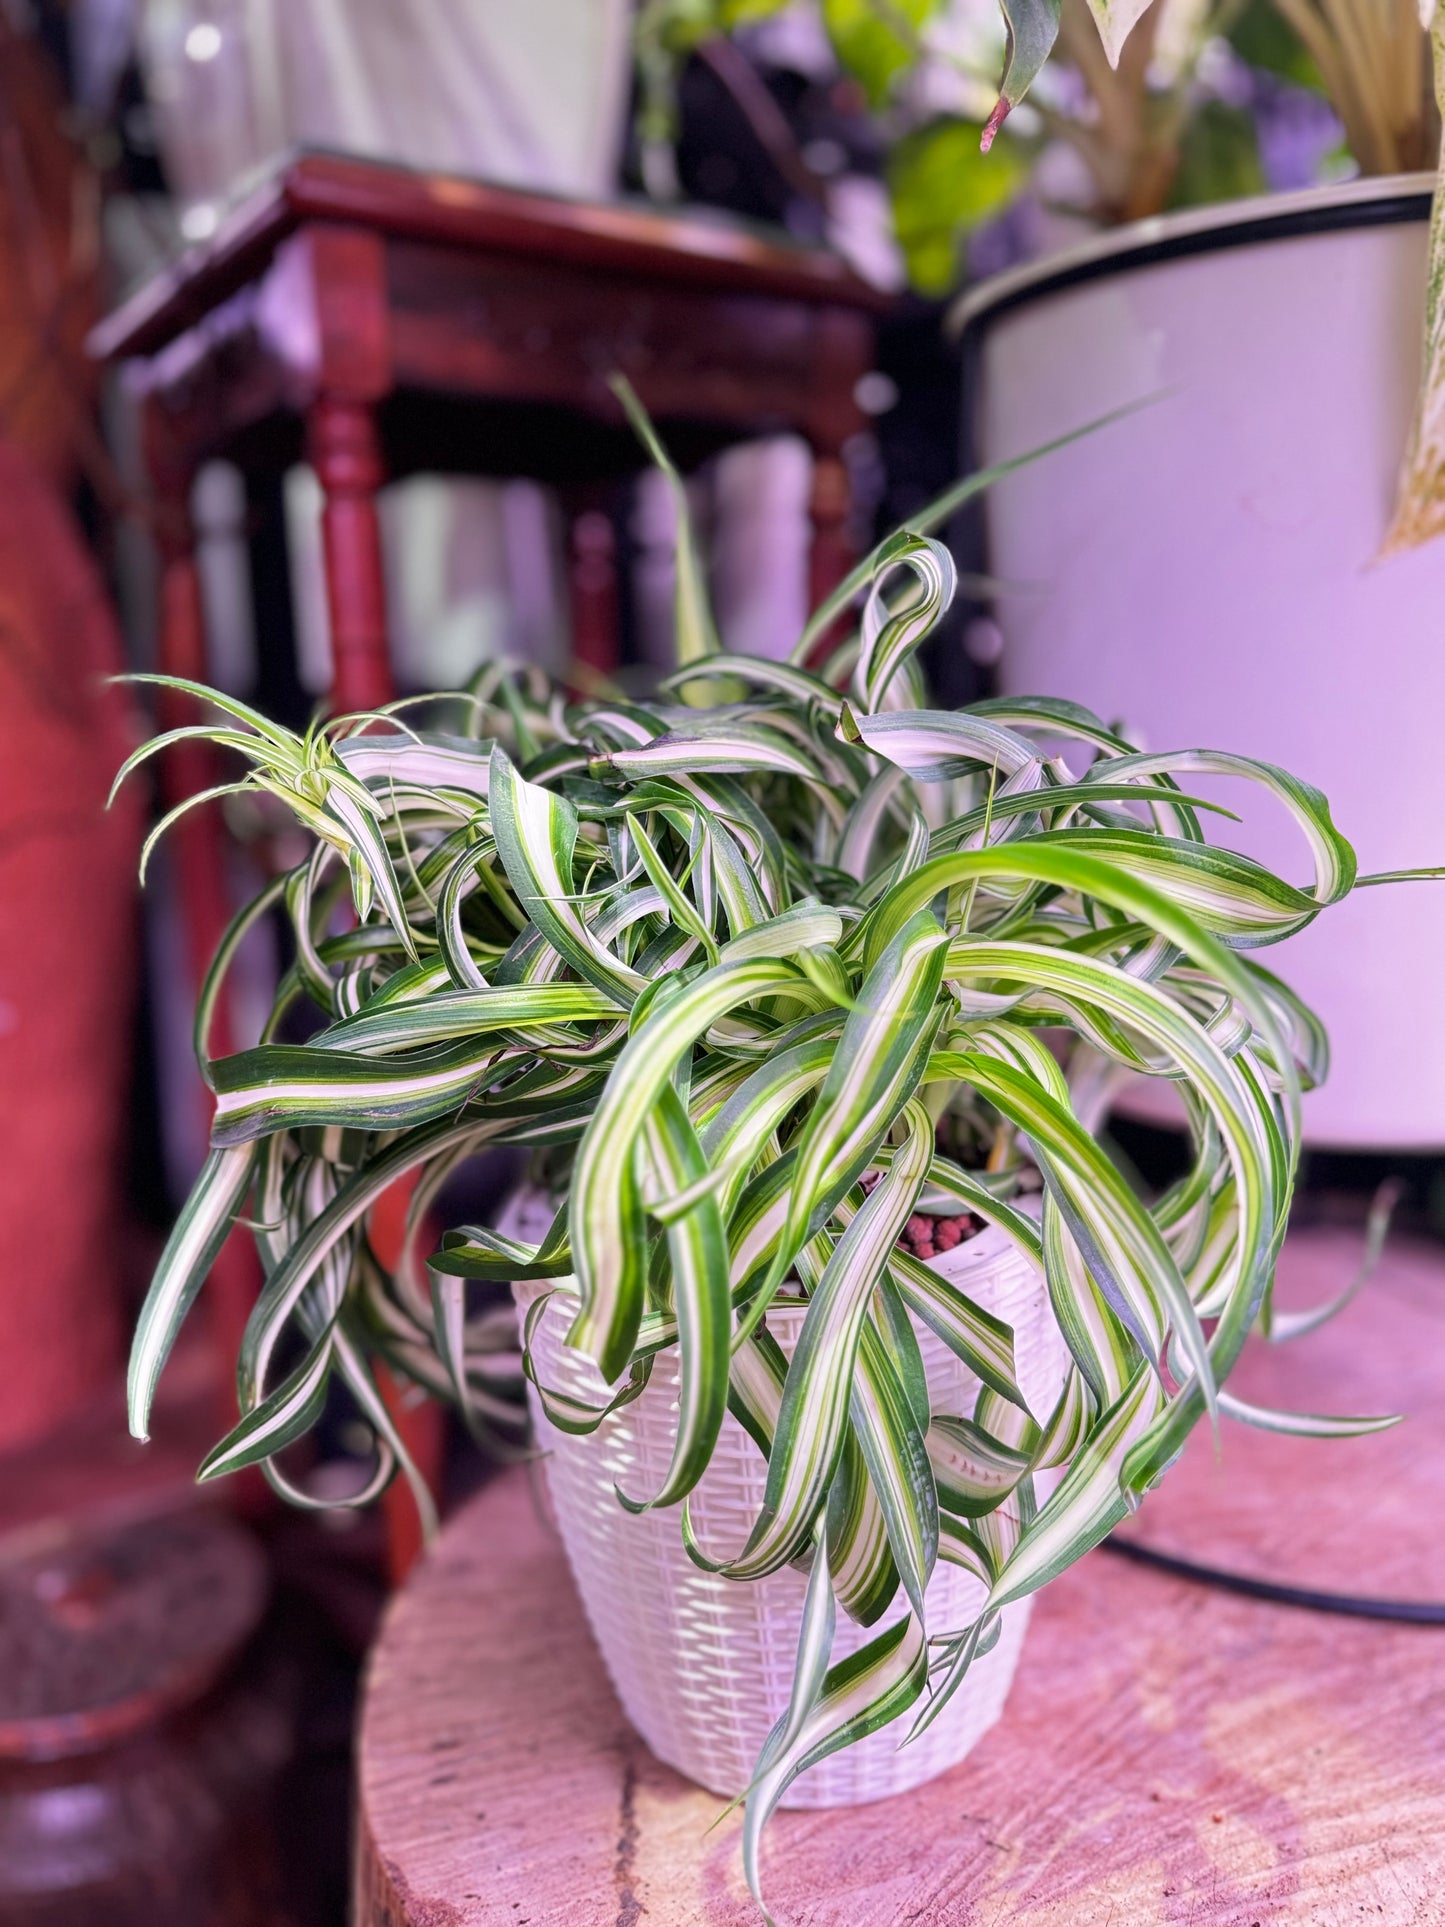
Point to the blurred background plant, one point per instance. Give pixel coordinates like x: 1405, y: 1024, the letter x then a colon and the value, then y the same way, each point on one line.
x: 1208, y: 102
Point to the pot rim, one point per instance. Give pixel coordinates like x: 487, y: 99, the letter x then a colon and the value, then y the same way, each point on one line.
x: 1374, y: 201
x: 984, y: 1249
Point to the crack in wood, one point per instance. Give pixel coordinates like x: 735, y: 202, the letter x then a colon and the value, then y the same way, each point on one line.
x: 629, y: 1908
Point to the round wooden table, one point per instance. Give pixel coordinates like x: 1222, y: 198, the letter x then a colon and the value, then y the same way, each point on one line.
x: 1171, y: 1754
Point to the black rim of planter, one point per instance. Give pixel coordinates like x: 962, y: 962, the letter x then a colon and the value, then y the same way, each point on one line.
x: 1172, y: 238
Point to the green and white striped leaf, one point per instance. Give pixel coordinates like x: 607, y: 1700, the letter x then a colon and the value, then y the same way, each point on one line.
x: 697, y: 1249
x: 1303, y: 1425
x: 1089, y: 1501
x: 452, y: 765
x: 695, y: 631
x: 292, y: 1085
x: 536, y: 836
x: 721, y: 750
x: 607, y: 1233
x: 891, y: 634
x: 1333, y: 856
x: 371, y: 865
x: 282, y: 1417
x: 882, y: 1046
x: 958, y: 1656
x: 890, y: 1437
x: 865, y: 1576
x: 931, y: 744
x: 820, y: 1378
x: 862, y: 1693
x: 192, y: 1248
x: 1103, y: 1352
x: 1126, y: 1254
x: 973, y: 1471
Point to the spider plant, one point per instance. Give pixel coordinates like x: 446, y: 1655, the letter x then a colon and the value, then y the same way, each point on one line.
x: 728, y: 956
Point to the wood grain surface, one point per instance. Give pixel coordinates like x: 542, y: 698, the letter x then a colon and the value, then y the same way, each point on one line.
x: 1171, y: 1756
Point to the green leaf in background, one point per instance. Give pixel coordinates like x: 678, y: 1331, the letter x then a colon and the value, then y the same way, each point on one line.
x: 1218, y: 157
x: 692, y: 612
x: 877, y: 43
x: 942, y: 187
x: 1263, y: 38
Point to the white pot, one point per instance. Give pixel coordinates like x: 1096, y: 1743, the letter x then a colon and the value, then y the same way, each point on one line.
x: 1204, y: 570
x: 703, y: 1665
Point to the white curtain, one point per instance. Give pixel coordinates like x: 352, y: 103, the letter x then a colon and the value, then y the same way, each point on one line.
x: 530, y: 92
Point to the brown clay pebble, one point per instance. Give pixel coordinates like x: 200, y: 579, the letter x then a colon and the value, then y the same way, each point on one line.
x: 927, y: 1237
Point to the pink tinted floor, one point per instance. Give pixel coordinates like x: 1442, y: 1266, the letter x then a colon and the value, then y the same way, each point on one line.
x: 1171, y: 1756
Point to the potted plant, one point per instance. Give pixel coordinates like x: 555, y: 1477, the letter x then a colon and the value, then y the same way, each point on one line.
x: 788, y: 982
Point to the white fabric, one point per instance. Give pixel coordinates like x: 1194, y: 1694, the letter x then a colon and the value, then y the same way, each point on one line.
x: 531, y: 95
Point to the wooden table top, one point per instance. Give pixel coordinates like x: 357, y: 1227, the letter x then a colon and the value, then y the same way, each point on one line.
x: 693, y: 248
x: 1171, y: 1756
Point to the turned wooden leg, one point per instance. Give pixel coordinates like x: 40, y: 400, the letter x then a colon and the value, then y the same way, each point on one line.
x: 830, y: 554
x: 343, y: 448
x: 592, y: 587
x: 421, y: 1423
x: 197, y: 842
x: 197, y: 850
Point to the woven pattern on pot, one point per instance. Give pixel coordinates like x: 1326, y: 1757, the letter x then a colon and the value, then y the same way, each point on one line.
x: 703, y: 1665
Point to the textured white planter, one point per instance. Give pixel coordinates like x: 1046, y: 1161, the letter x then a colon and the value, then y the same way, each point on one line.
x: 1204, y: 571
x: 703, y: 1665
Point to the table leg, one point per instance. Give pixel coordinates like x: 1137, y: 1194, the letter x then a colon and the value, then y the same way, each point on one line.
x: 592, y: 586
x: 198, y: 841
x: 830, y: 554
x: 345, y: 451
x: 198, y: 853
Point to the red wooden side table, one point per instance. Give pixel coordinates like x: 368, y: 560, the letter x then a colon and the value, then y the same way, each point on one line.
x: 383, y: 322
x: 379, y: 322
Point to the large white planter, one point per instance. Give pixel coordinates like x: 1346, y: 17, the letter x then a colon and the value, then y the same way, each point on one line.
x: 704, y: 1665
x: 1204, y: 570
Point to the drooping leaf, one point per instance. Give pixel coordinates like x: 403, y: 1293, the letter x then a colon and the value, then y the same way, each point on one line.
x: 1033, y: 27
x: 860, y: 1694
x: 942, y: 187
x: 1115, y: 20
x: 192, y: 1248
x: 695, y: 631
